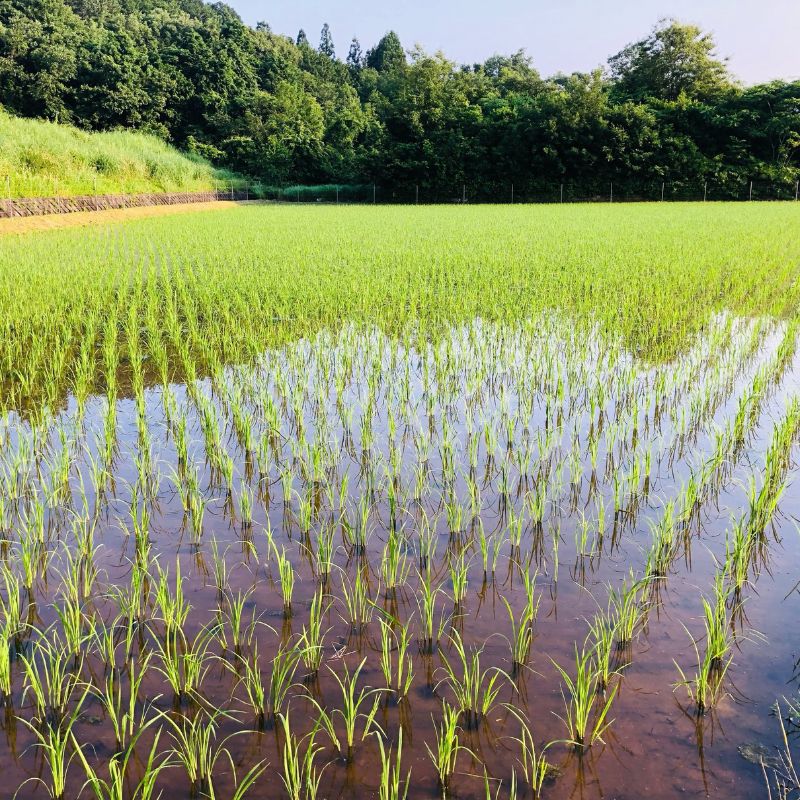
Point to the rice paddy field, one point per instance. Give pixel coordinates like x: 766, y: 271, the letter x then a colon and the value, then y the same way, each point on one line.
x: 474, y: 502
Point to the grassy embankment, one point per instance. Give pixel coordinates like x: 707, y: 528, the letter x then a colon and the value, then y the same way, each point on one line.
x: 45, y: 159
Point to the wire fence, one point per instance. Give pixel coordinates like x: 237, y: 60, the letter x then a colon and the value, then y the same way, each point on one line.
x: 375, y: 193
x: 537, y: 192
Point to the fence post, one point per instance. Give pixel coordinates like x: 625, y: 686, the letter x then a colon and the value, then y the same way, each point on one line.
x: 416, y: 195
x: 561, y: 200
x: 611, y: 196
x: 373, y: 194
x: 512, y: 194
x: 337, y: 194
x: 705, y: 190
x: 463, y: 192
x: 662, y: 191
x: 750, y: 197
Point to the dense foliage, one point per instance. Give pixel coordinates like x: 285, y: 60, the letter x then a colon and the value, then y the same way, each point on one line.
x: 666, y: 109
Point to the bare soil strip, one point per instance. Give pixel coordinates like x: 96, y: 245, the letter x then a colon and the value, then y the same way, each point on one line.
x: 83, y: 218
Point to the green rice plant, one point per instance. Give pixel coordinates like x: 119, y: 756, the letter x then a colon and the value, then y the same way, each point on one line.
x: 51, y: 678
x: 603, y: 638
x: 300, y: 777
x: 325, y: 551
x: 118, y: 786
x: 312, y: 638
x: 286, y: 577
x: 398, y: 675
x: 459, y: 576
x: 426, y: 537
x: 56, y: 743
x: 739, y: 547
x: 121, y: 710
x: 475, y: 689
x: 664, y: 546
x: 197, y: 505
x: 534, y: 766
x: 354, y: 707
x: 395, y: 567
x: 196, y: 749
x: 704, y: 687
x: 359, y: 607
x: 521, y: 637
x: 430, y: 630
x: 719, y: 636
x: 537, y: 502
x: 392, y: 786
x: 173, y: 607
x: 268, y: 700
x: 231, y: 629
x: 184, y: 664
x: 585, y: 717
x: 448, y: 746
x: 625, y: 605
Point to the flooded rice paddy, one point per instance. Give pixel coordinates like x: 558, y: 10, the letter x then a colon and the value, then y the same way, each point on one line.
x: 512, y: 558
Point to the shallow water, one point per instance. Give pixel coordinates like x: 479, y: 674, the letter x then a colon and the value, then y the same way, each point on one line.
x: 543, y: 391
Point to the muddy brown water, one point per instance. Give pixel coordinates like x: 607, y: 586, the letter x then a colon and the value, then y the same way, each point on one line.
x: 656, y: 746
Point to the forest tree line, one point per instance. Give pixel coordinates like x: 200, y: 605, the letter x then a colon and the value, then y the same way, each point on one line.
x: 294, y: 110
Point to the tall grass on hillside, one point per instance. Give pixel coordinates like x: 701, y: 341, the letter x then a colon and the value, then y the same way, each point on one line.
x: 45, y: 159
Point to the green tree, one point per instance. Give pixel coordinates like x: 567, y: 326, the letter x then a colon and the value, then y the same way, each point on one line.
x: 674, y: 59
x: 387, y: 55
x: 326, y: 42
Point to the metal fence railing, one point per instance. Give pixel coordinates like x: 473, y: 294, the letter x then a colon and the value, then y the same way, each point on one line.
x: 374, y: 193
x: 537, y: 192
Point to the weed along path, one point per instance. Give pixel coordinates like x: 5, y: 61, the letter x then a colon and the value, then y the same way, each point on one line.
x: 81, y: 219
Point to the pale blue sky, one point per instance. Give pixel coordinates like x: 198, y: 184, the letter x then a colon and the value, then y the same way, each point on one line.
x: 761, y: 38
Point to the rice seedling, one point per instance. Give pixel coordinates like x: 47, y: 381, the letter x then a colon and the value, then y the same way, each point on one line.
x: 51, y: 679
x: 476, y: 689
x: 355, y: 706
x: 268, y: 700
x: 117, y: 787
x: 197, y: 750
x: 585, y: 717
x: 300, y: 777
x: 286, y: 577
x: 173, y: 607
x: 398, y: 674
x: 625, y: 606
x: 184, y: 663
x: 121, y: 710
x: 358, y: 606
x: 312, y: 638
x: 392, y: 786
x: 231, y: 629
x: 55, y: 741
x: 534, y: 767
x: 448, y: 746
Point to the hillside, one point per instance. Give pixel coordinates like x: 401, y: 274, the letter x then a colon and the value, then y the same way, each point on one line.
x: 44, y: 159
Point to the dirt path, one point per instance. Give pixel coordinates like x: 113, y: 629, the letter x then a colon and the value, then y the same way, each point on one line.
x: 83, y: 218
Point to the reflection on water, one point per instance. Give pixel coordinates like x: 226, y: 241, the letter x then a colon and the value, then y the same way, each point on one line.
x: 360, y: 507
